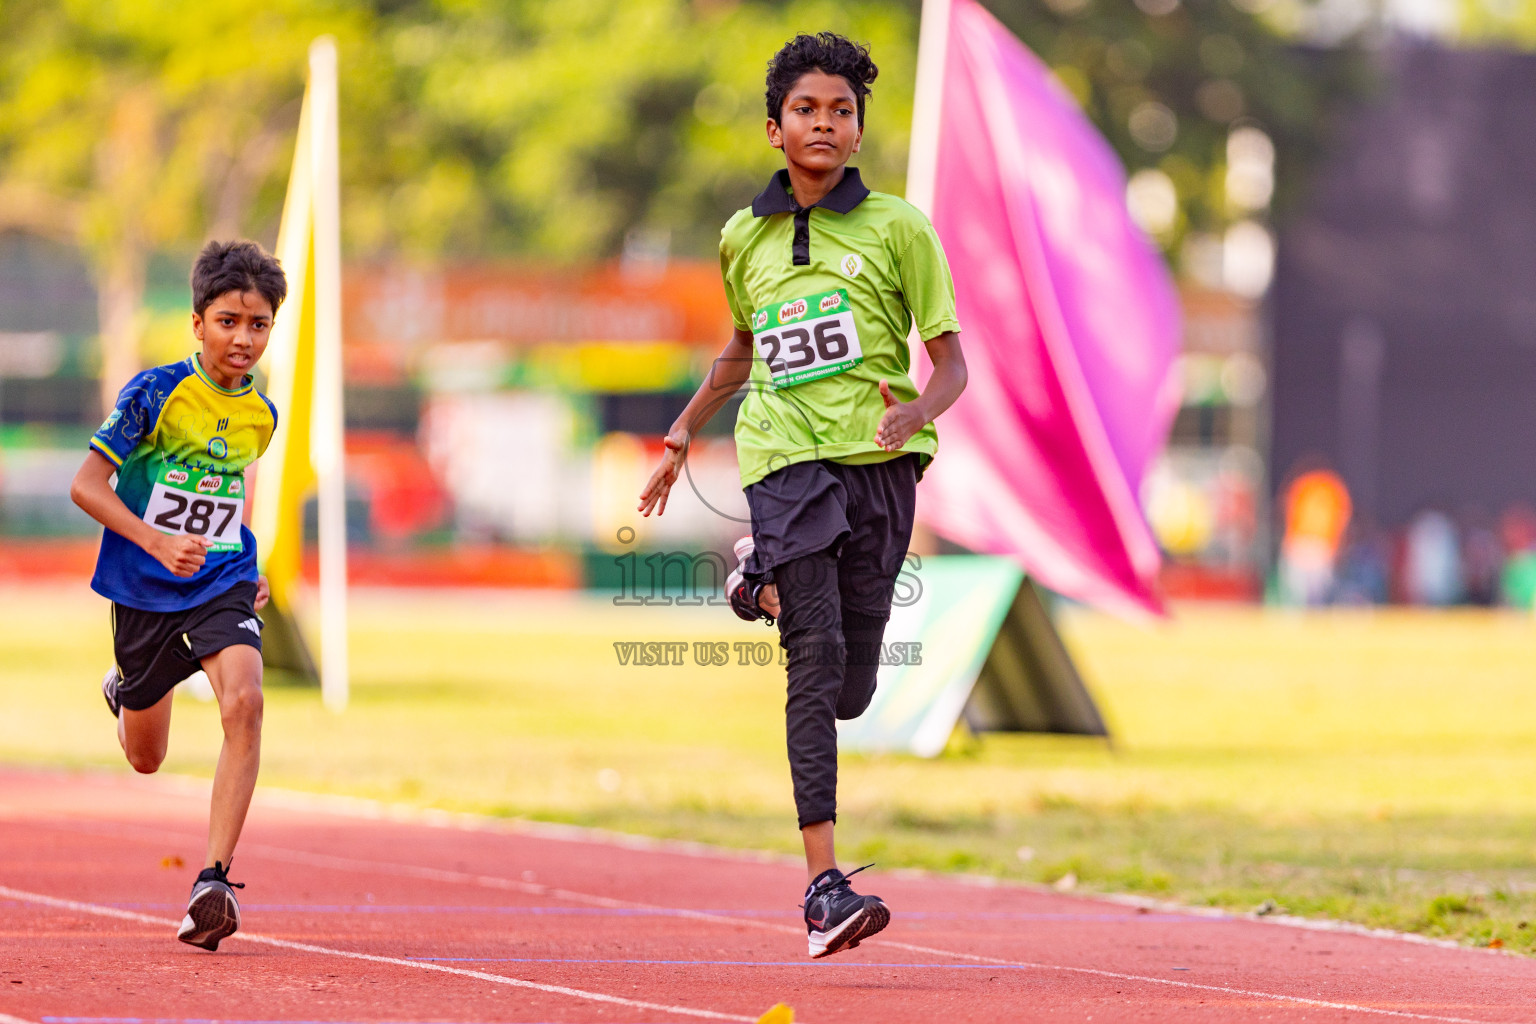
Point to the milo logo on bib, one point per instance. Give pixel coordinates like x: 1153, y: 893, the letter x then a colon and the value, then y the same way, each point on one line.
x: 199, y: 504
x: 808, y: 338
x: 792, y: 311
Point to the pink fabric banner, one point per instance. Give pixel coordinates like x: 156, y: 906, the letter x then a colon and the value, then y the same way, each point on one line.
x: 1069, y: 323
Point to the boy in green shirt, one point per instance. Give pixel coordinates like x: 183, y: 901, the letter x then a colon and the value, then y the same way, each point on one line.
x: 825, y: 279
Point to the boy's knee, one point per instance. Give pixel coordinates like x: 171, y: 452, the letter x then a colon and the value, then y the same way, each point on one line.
x: 242, y: 705
x: 857, y: 693
x: 851, y: 708
x: 146, y: 762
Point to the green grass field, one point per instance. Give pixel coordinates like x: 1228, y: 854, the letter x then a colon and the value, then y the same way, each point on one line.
x: 1370, y: 767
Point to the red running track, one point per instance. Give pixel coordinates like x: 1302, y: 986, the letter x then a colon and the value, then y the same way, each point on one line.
x: 356, y: 914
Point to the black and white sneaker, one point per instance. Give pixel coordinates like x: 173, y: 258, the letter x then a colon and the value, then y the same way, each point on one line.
x: 742, y: 592
x: 836, y: 917
x: 212, y: 913
x: 109, y: 690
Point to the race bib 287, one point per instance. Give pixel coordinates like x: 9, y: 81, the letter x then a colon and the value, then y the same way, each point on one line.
x: 191, y: 501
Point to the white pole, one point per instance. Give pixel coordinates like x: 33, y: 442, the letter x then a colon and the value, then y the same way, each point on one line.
x: 326, y: 425
x: 927, y: 104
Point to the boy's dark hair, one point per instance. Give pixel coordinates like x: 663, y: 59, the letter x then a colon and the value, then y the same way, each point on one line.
x: 236, y: 267
x: 826, y: 52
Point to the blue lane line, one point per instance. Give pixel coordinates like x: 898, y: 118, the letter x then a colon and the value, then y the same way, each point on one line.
x: 232, y: 1020
x: 818, y: 964
x: 906, y: 915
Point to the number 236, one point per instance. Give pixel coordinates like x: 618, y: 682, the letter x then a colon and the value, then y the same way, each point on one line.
x: 829, y: 344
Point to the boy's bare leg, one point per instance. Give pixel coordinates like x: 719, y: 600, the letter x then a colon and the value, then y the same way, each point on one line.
x: 819, y: 854
x: 144, y: 735
x: 235, y: 673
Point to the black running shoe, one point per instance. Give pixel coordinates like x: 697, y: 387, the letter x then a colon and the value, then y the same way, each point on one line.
x: 109, y: 690
x: 742, y: 592
x: 836, y: 917
x: 212, y: 913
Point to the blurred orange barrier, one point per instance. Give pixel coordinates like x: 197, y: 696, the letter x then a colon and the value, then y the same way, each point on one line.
x: 466, y: 566
x: 24, y: 560
x: 74, y: 559
x: 1184, y: 581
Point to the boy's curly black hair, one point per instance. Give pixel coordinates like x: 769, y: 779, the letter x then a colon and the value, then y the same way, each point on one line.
x: 236, y: 267
x: 826, y: 52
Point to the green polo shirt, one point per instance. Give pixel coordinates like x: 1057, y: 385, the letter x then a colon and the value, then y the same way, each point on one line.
x: 830, y: 293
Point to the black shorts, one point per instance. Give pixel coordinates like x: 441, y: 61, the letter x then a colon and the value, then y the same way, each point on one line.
x: 863, y: 513
x: 157, y: 650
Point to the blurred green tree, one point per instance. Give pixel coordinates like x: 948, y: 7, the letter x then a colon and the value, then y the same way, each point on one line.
x: 470, y: 128
x: 1506, y: 22
x: 561, y: 129
x: 127, y: 127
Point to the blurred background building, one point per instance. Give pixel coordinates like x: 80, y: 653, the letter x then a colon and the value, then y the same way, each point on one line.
x: 1404, y: 323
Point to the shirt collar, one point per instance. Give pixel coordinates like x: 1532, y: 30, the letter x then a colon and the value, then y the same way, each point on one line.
x: 202, y: 375
x: 776, y: 198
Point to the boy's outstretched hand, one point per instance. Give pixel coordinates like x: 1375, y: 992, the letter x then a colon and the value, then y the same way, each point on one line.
x: 183, y: 554
x: 263, y: 594
x: 655, y: 493
x: 900, y: 422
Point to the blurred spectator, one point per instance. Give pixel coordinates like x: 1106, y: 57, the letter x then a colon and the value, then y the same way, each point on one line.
x: 1482, y: 558
x: 1432, y: 573
x: 1364, y: 573
x: 1317, y: 511
x: 1517, y: 582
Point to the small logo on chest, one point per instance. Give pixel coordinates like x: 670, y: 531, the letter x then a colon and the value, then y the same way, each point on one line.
x: 852, y: 264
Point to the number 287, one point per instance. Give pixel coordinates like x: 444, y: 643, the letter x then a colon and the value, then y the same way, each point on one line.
x: 200, y: 513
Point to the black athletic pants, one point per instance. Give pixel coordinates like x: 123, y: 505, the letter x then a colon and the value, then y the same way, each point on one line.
x: 833, y: 538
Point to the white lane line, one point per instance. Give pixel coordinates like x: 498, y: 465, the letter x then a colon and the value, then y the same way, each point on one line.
x: 1118, y: 976
x: 352, y: 864
x: 535, y: 889
x: 6, y: 1018
x: 98, y: 910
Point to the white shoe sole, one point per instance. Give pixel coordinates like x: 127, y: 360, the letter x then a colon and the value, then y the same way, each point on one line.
x: 851, y: 932
x: 212, y: 916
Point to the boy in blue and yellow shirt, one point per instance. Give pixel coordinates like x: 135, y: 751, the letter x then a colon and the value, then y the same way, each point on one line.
x: 177, y: 562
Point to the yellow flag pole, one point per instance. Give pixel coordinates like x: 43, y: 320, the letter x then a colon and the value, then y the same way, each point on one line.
x: 304, y: 371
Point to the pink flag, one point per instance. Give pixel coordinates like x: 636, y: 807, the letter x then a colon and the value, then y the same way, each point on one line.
x: 1069, y: 321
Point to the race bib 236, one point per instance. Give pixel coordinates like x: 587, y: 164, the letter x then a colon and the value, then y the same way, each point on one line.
x: 807, y: 339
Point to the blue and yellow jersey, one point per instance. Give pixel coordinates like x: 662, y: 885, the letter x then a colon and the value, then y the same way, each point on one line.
x: 181, y: 443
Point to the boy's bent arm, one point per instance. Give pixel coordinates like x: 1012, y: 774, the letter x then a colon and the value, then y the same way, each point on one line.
x: 948, y: 378
x: 92, y: 491
x: 729, y: 372
x: 726, y: 376
x: 903, y: 419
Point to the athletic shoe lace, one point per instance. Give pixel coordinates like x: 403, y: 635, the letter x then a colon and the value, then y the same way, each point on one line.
x: 828, y: 888
x: 221, y: 874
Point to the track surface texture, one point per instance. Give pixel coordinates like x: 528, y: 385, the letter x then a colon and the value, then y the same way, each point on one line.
x: 357, y: 913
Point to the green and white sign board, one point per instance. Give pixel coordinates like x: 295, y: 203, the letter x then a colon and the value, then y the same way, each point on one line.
x: 989, y: 654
